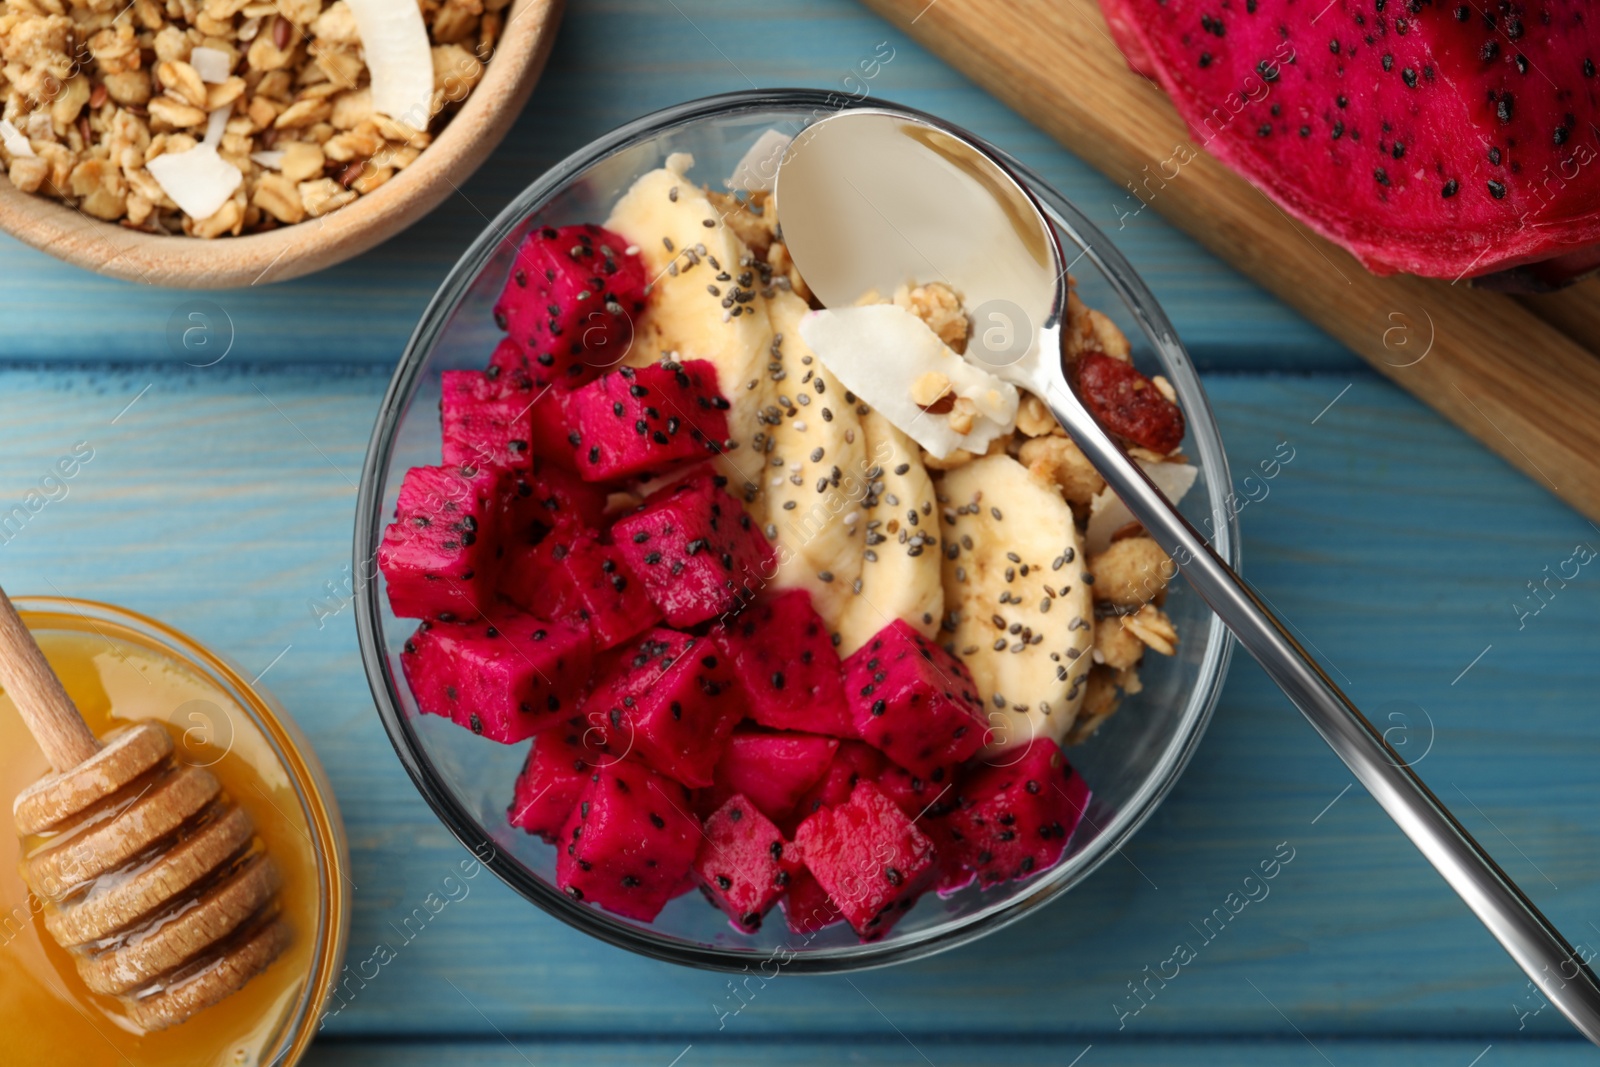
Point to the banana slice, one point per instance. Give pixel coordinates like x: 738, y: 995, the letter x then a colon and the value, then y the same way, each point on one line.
x: 900, y: 574
x: 815, y: 465
x: 1013, y: 584
x: 705, y: 298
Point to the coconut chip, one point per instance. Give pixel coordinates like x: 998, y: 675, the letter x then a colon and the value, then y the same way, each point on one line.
x: 400, y: 58
x: 880, y: 351
x: 15, y: 143
x: 1108, y: 514
x: 757, y: 171
x: 272, y: 158
x: 199, y: 180
x: 212, y: 64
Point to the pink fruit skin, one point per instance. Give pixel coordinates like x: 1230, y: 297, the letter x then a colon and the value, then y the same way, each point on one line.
x: 666, y: 701
x: 571, y: 574
x: 773, y: 771
x: 914, y: 702
x: 742, y: 864
x: 438, y: 554
x: 478, y: 427
x: 554, y: 775
x: 1126, y: 36
x: 505, y: 679
x: 698, y: 552
x: 870, y: 859
x: 629, y: 843
x: 646, y: 421
x: 1013, y: 816
x: 570, y: 302
x: 784, y: 657
x: 1432, y: 100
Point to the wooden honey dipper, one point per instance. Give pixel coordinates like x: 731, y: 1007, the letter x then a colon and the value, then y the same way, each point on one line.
x: 149, y: 874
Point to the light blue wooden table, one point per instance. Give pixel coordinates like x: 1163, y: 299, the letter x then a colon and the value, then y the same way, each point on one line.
x: 221, y: 500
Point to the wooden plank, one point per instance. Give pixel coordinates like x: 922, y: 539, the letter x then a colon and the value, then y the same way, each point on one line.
x: 614, y: 61
x: 919, y: 1050
x: 221, y: 501
x: 1492, y: 367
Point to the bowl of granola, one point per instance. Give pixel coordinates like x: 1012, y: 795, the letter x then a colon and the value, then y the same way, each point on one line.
x: 654, y: 607
x: 217, y: 143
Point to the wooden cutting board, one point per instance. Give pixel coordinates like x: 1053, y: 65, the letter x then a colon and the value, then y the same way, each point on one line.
x: 1518, y: 373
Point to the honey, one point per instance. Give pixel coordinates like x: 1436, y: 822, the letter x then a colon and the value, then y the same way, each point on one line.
x: 48, y: 1016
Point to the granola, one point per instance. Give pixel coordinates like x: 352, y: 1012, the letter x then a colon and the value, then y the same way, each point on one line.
x: 92, y: 92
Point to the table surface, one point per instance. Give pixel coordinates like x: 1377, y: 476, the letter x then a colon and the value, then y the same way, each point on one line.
x: 221, y: 500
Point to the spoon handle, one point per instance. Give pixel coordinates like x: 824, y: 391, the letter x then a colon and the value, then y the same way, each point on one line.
x: 1560, y: 974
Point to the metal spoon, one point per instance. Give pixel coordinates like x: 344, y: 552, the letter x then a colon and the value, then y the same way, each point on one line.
x: 870, y: 199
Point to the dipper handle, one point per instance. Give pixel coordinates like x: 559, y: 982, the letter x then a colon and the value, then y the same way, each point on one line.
x: 51, y: 716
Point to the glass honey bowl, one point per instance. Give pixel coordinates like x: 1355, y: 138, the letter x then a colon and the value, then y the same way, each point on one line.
x: 120, y: 668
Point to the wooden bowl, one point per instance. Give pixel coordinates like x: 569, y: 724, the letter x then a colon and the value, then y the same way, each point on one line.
x: 290, y: 251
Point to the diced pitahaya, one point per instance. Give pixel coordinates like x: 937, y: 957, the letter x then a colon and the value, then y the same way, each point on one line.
x: 506, y: 679
x: 629, y: 842
x: 915, y: 702
x: 742, y: 864
x: 545, y: 497
x: 570, y: 302
x: 698, y: 552
x: 854, y: 762
x: 808, y: 906
x: 772, y: 770
x: 918, y: 797
x: 784, y: 658
x: 481, y: 428
x: 508, y: 377
x: 571, y: 574
x: 557, y: 769
x: 646, y: 420
x: 666, y: 701
x: 924, y: 803
x: 438, y: 552
x: 870, y: 859
x: 1012, y: 818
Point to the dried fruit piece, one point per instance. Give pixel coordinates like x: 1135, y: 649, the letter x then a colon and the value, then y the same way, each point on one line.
x: 1128, y: 404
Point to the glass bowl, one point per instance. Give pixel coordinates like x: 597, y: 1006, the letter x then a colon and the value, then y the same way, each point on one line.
x: 1130, y: 763
x: 120, y: 668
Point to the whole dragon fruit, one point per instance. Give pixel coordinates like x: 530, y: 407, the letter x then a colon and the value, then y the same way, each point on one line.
x: 1438, y: 137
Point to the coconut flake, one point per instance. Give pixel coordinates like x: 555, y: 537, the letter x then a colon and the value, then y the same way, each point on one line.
x: 212, y: 64
x: 217, y: 125
x: 757, y: 171
x: 272, y: 158
x: 199, y: 180
x: 15, y: 143
x: 400, y: 58
x: 1108, y: 514
x: 878, y: 351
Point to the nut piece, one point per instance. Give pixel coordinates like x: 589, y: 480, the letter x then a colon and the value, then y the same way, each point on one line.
x: 278, y: 197
x: 1131, y: 572
x: 1115, y: 644
x: 1057, y: 458
x: 963, y: 415
x: 1034, y: 419
x: 931, y: 392
x: 1152, y: 626
x: 937, y: 305
x: 301, y: 161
